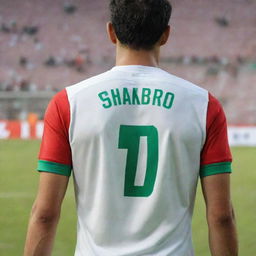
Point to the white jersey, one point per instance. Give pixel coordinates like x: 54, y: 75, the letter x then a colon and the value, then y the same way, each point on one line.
x: 135, y: 141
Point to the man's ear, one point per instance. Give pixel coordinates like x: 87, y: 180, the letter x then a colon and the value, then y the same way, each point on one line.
x: 111, y: 33
x: 165, y: 36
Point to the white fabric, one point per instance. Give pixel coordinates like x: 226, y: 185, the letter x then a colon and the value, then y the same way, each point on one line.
x: 109, y: 223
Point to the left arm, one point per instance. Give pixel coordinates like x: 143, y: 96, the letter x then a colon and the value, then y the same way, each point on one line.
x: 45, y: 214
x: 55, y: 164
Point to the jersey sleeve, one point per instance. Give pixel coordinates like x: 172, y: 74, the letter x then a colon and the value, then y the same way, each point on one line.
x: 215, y: 156
x: 55, y: 152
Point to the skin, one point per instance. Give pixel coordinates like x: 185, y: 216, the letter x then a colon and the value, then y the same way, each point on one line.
x: 220, y: 215
x: 52, y: 187
x: 45, y: 214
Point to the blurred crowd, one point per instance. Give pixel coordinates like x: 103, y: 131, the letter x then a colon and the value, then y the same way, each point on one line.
x: 15, y: 35
x: 47, y: 45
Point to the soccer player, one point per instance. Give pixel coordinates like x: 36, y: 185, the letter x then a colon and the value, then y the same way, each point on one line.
x: 136, y: 140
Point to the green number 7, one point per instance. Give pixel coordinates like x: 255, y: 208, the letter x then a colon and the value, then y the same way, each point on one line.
x: 129, y: 138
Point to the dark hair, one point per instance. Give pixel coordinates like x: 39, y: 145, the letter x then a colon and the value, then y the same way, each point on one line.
x: 139, y: 24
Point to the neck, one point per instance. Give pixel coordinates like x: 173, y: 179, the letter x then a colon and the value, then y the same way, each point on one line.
x: 126, y: 56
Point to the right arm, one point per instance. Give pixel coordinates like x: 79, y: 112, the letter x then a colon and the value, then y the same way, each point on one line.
x: 220, y: 215
x: 215, y: 179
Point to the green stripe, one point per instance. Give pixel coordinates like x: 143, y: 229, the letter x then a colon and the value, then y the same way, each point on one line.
x: 217, y: 168
x: 46, y: 166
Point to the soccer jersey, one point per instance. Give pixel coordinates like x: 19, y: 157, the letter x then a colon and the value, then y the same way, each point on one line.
x: 136, y: 139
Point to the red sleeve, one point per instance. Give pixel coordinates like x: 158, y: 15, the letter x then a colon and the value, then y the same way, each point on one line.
x: 216, y: 148
x: 55, y: 145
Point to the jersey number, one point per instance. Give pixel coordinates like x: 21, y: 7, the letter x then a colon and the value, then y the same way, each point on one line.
x: 129, y: 138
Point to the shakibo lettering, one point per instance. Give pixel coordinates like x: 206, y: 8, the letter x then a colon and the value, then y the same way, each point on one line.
x: 136, y: 96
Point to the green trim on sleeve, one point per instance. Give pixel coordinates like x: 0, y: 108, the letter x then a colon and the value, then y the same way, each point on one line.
x: 47, y: 166
x: 217, y: 168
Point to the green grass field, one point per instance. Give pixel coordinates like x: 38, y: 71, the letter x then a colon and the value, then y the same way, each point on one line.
x: 18, y: 185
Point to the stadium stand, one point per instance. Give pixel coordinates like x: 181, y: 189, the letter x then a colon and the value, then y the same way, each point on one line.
x: 47, y: 45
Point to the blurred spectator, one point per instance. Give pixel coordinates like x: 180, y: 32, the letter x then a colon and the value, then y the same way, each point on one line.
x: 213, y: 70
x: 233, y: 69
x: 5, y: 28
x: 33, y: 87
x: 24, y: 85
x: 51, y: 62
x: 241, y: 60
x: 9, y: 28
x: 69, y: 8
x: 30, y: 30
x: 187, y: 60
x: 38, y: 44
x: 224, y: 61
x: 23, y: 61
x: 222, y: 21
x: 79, y: 63
x: 23, y: 115
x: 32, y: 118
x: 214, y: 59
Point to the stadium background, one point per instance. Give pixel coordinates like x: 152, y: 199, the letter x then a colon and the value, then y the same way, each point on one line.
x: 47, y: 45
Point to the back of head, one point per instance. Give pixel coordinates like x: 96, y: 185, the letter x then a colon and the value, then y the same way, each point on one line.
x: 139, y: 24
